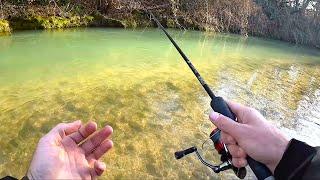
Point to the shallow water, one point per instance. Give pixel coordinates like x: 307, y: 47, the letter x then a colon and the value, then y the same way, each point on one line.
x: 135, y: 81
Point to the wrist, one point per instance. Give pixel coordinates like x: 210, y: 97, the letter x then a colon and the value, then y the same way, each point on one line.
x: 279, y: 149
x: 29, y: 175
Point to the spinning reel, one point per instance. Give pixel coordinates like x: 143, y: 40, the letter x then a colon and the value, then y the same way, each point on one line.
x: 225, y: 156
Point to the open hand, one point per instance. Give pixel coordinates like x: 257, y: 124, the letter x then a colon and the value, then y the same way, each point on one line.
x: 66, y: 152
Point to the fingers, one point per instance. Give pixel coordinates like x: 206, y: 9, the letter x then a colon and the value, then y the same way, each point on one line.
x: 99, y: 167
x: 226, y: 124
x: 83, y: 132
x: 101, y: 150
x: 90, y: 144
x: 236, y: 108
x: 239, y: 162
x: 227, y: 139
x: 238, y: 156
x: 236, y: 151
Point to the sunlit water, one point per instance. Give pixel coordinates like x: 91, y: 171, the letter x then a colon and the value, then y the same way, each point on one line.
x: 136, y: 82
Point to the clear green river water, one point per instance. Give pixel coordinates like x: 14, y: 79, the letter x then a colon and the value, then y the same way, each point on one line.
x: 135, y: 81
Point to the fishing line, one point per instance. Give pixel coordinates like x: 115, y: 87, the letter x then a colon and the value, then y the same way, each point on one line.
x: 205, y: 142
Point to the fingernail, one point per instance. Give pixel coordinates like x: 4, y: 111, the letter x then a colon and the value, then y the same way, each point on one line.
x: 102, y: 166
x: 110, y: 143
x: 109, y: 127
x: 214, y: 116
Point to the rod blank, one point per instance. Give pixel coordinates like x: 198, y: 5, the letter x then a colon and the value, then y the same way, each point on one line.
x: 186, y: 59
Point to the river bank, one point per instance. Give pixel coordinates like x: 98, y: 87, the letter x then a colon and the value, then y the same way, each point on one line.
x: 274, y: 20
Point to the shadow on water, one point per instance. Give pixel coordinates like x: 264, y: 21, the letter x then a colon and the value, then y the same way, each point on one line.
x: 136, y: 82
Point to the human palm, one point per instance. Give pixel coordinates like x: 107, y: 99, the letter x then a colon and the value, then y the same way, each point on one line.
x: 66, y: 152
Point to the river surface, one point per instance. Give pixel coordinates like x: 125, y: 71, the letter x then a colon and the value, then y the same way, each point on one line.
x: 135, y: 81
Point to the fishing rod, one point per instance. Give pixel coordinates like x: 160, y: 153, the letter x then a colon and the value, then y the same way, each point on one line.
x: 219, y: 105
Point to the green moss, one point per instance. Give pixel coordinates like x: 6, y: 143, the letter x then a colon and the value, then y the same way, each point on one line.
x: 51, y: 22
x: 130, y: 23
x: 4, y: 27
x: 171, y: 23
x: 88, y: 19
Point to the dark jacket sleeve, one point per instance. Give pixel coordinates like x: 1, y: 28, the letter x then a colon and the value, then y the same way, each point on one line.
x: 299, y: 162
x: 13, y: 178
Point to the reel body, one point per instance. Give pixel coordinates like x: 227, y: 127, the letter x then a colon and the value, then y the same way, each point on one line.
x: 225, y: 156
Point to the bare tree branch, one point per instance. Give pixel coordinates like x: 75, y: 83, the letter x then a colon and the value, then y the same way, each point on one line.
x: 1, y: 10
x: 305, y: 4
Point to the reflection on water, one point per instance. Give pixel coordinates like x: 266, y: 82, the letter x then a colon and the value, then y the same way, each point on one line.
x: 136, y: 82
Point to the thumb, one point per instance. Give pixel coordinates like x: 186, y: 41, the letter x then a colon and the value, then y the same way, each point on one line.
x: 226, y: 124
x: 72, y: 127
x: 64, y: 129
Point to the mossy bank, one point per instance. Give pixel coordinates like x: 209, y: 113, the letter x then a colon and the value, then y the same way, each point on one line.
x: 40, y: 22
x: 51, y: 22
x: 297, y: 23
x: 4, y: 27
x: 57, y: 22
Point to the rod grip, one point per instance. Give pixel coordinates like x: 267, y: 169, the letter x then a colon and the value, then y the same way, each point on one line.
x: 261, y: 171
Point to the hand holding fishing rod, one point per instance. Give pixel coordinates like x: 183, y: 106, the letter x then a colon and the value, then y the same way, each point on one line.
x: 219, y: 105
x: 253, y: 134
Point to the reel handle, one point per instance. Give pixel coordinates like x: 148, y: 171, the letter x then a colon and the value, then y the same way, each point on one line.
x: 181, y: 154
x: 261, y: 171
